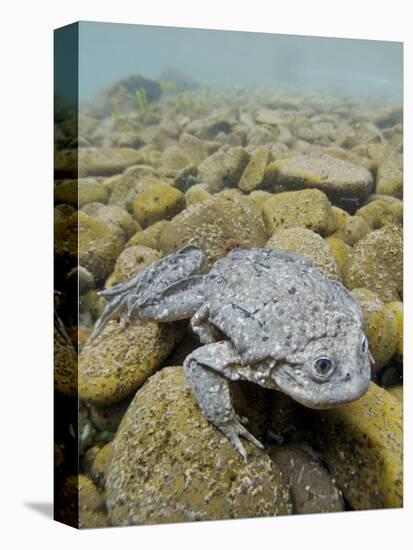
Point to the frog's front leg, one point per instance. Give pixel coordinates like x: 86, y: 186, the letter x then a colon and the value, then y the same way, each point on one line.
x: 208, y: 369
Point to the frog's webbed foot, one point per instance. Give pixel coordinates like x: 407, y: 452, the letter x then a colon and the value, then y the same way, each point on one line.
x: 212, y: 390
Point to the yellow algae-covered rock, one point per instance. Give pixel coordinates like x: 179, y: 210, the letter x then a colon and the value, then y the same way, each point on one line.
x: 340, y: 249
x: 259, y: 197
x: 381, y: 327
x: 173, y: 159
x: 148, y: 237
x: 376, y: 263
x: 223, y: 168
x: 340, y: 215
x: 362, y: 445
x: 339, y: 179
x: 132, y: 261
x: 106, y: 161
x: 99, y: 245
x: 396, y: 308
x: 232, y: 193
x: 390, y: 177
x: 397, y: 392
x: 309, y: 208
x: 134, y: 180
x: 380, y: 212
x: 92, y: 512
x: 352, y: 229
x: 197, y: 193
x: 308, y: 244
x: 195, y: 148
x: 159, y: 202
x: 211, y: 224
x: 114, y: 216
x: 100, y: 465
x: 169, y: 464
x: 253, y: 174
x: 80, y: 192
x: 119, y: 361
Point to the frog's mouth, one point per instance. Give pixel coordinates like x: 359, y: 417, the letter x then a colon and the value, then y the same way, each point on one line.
x: 328, y: 394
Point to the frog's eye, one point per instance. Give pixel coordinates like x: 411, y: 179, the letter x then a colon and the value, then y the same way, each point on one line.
x: 364, y: 344
x: 323, y: 366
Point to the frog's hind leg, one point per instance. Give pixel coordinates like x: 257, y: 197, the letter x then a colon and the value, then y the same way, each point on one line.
x: 168, y: 290
x: 202, y: 368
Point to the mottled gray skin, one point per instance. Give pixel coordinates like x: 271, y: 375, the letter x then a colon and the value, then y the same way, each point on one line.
x: 265, y: 316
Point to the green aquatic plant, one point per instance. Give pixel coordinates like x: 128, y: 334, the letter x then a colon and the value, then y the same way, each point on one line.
x: 168, y: 86
x: 194, y: 104
x: 143, y: 105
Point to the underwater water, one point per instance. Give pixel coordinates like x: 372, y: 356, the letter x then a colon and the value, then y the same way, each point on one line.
x: 228, y: 276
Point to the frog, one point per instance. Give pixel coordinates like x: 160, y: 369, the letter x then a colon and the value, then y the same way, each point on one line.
x: 269, y: 317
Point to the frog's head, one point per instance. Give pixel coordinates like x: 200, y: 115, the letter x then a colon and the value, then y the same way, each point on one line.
x: 330, y: 371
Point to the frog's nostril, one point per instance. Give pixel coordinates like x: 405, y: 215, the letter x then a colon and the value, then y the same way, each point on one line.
x: 347, y: 375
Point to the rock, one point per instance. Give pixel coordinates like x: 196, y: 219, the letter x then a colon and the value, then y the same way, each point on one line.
x: 133, y: 181
x: 65, y: 365
x: 352, y: 229
x: 380, y: 326
x: 259, y: 136
x: 195, y: 148
x: 313, y: 489
x: 376, y: 263
x: 340, y: 250
x: 341, y: 180
x: 390, y: 177
x: 114, y: 216
x: 389, y: 117
x: 396, y: 308
x: 211, y: 224
x: 197, y: 193
x: 381, y: 212
x: 173, y: 160
x: 269, y: 116
x: 158, y: 202
x: 362, y: 445
x: 80, y: 192
x: 106, y: 161
x: 167, y: 457
x: 397, y: 392
x: 308, y: 244
x: 90, y: 500
x: 309, y: 208
x: 149, y: 237
x: 223, y: 168
x: 99, y: 244
x: 100, y: 465
x: 61, y: 213
x: 231, y: 194
x: 259, y: 197
x: 132, y: 261
x: 253, y: 175
x: 82, y: 277
x: 119, y: 361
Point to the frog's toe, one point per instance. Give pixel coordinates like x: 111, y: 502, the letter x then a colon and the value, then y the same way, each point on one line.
x: 235, y: 429
x: 230, y: 430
